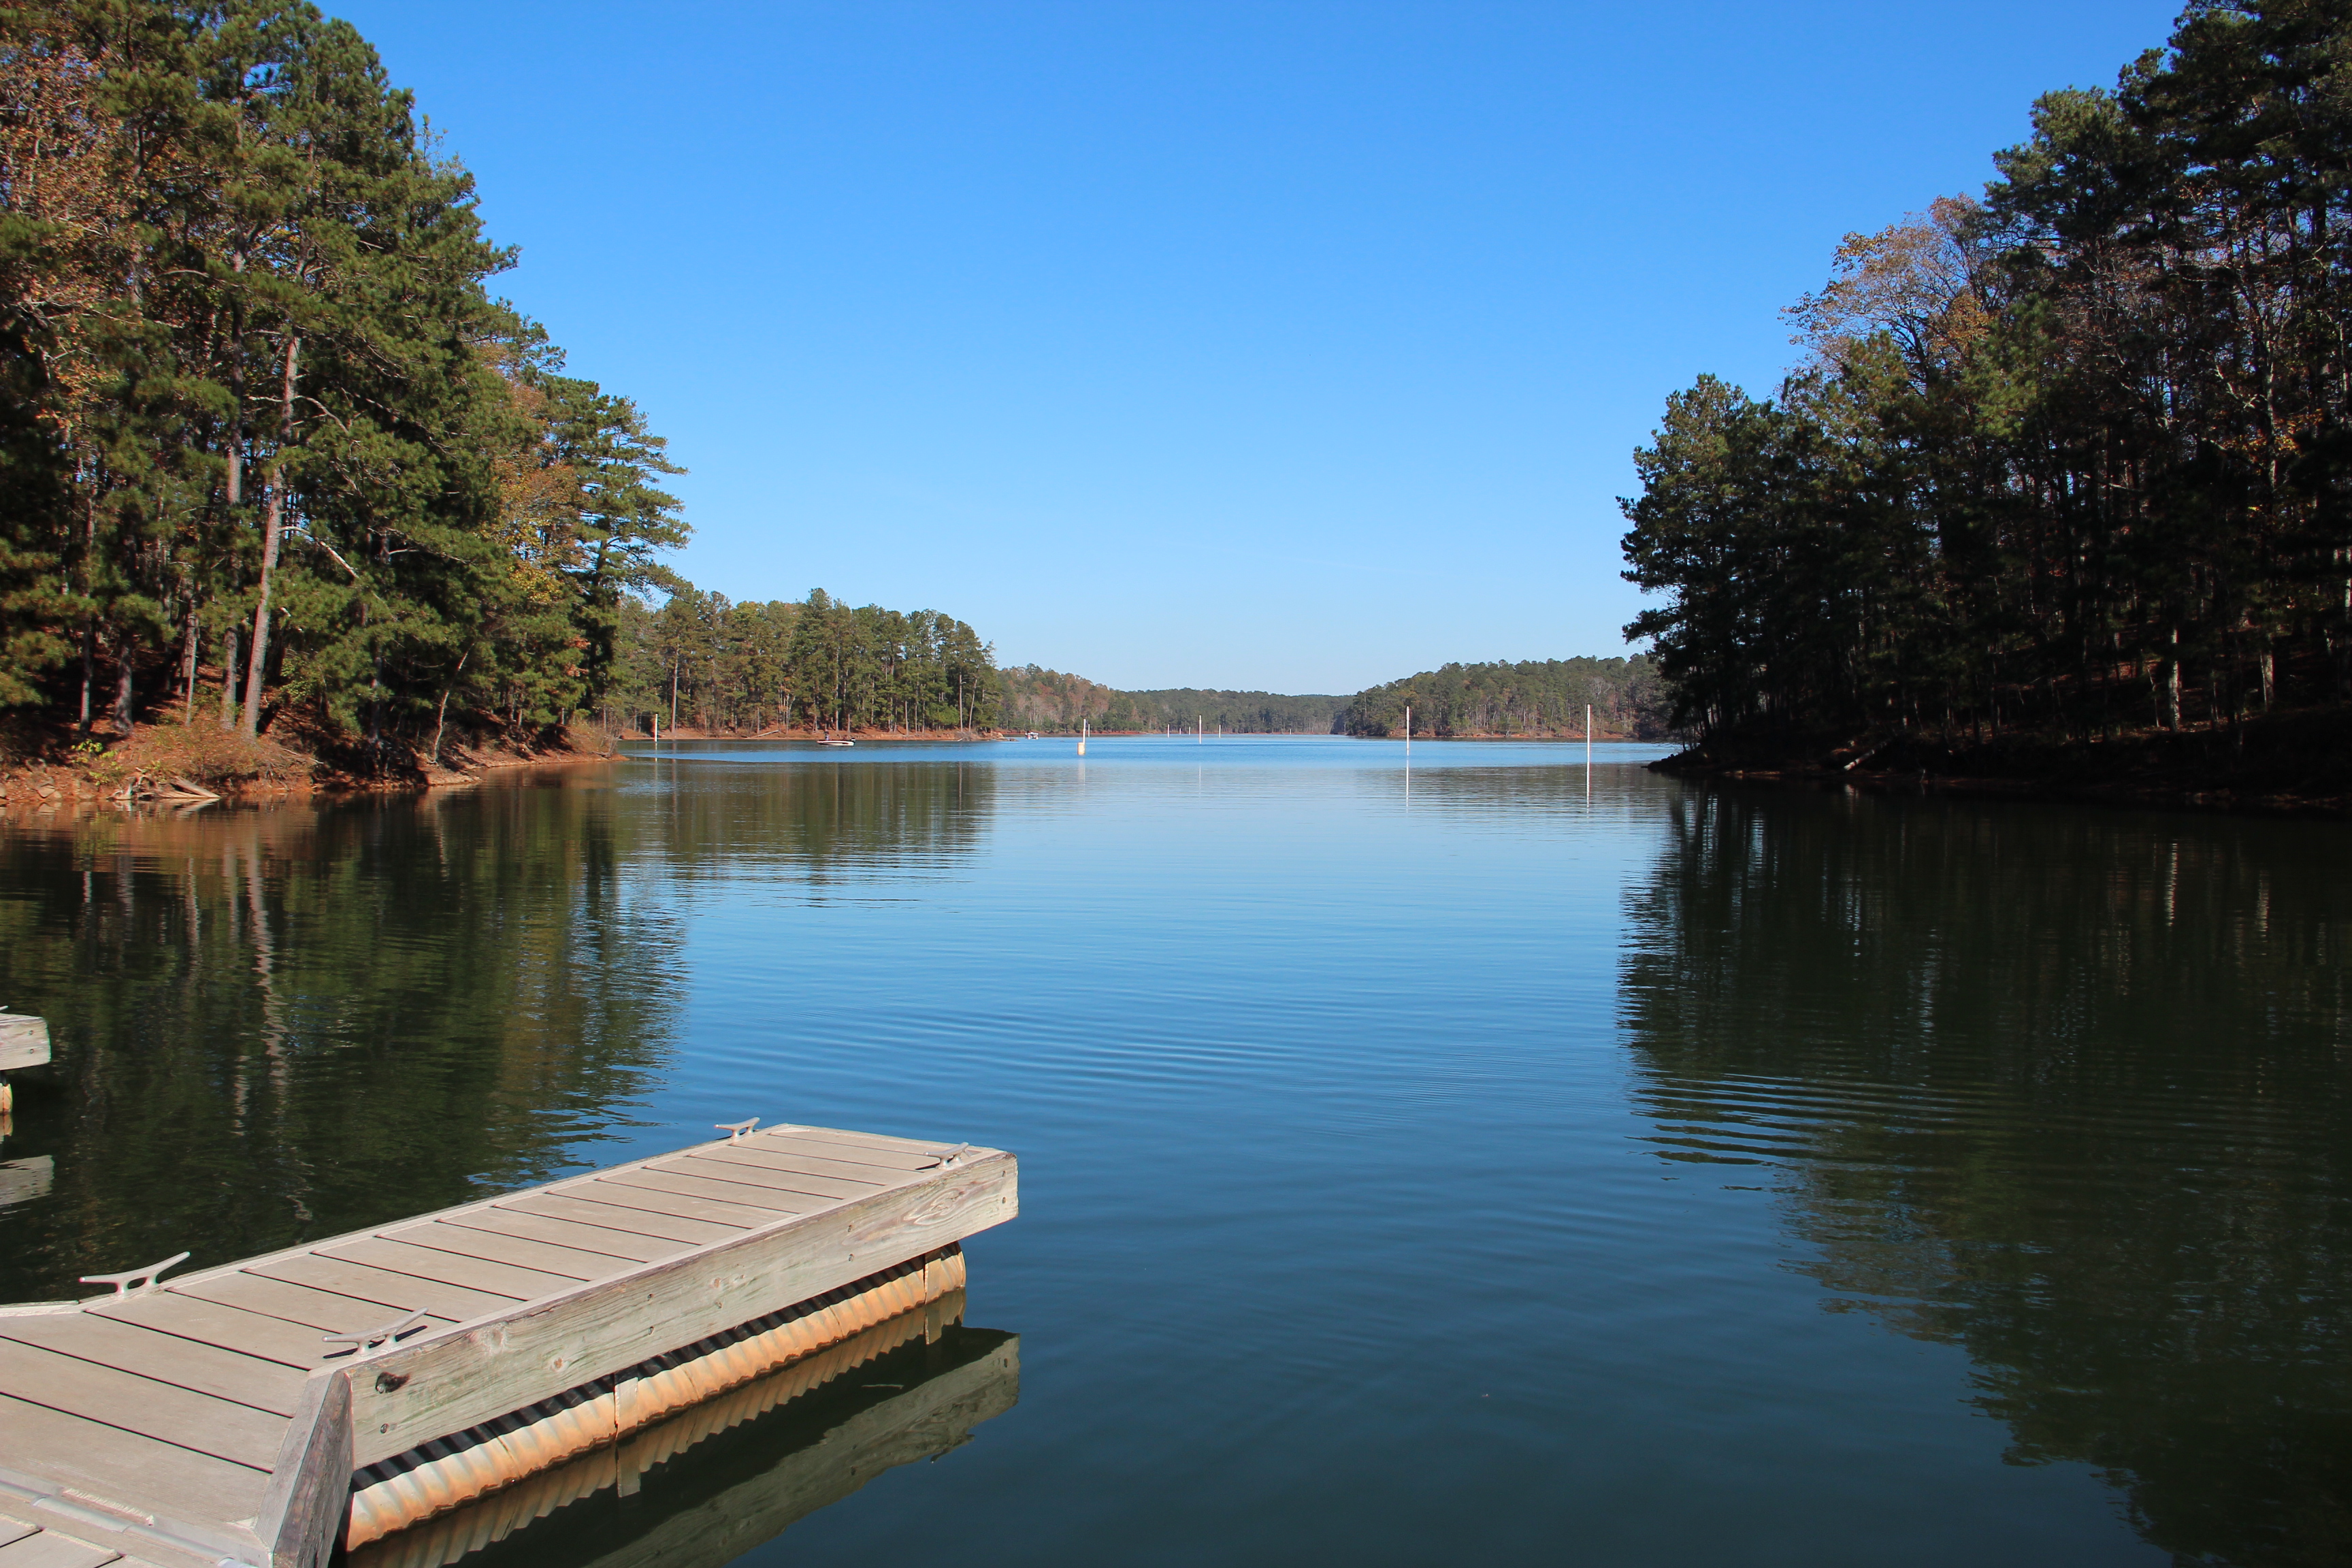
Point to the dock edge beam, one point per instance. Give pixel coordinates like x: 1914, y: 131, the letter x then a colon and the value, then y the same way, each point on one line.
x: 435, y: 1477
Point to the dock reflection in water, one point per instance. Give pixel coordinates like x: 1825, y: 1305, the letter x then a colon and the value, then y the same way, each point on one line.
x: 762, y: 1457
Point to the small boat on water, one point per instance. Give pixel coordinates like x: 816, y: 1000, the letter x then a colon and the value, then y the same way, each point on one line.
x: 827, y: 739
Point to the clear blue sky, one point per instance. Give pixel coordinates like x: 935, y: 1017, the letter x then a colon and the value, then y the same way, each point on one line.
x: 1294, y: 345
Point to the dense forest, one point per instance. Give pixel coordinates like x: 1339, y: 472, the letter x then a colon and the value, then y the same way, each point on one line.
x: 1543, y: 697
x: 817, y: 664
x: 1053, y: 703
x: 2075, y: 459
x: 267, y: 443
x: 1533, y: 698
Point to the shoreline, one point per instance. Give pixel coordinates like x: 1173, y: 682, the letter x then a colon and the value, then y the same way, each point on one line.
x: 696, y: 732
x: 2221, y: 800
x: 188, y: 765
x: 2286, y: 765
x: 1576, y: 740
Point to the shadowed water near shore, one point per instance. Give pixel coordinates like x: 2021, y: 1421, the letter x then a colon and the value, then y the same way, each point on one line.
x: 288, y: 1021
x: 2066, y: 1089
x: 1485, y: 1160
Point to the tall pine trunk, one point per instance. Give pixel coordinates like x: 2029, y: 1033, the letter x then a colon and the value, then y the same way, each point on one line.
x: 441, y: 714
x: 188, y: 667
x: 124, y: 655
x: 88, y: 668
x: 273, y: 525
x: 228, y: 679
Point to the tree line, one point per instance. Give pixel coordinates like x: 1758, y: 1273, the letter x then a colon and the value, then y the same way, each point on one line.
x: 2070, y: 459
x: 267, y: 443
x: 817, y: 664
x: 1534, y: 698
x: 1053, y: 703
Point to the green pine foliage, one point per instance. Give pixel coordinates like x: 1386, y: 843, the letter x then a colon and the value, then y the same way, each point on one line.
x: 2072, y: 460
x: 699, y: 660
x: 1536, y: 698
x: 266, y: 437
x: 1053, y: 703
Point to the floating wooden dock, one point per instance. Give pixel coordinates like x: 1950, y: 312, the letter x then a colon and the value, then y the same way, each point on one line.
x: 267, y: 1412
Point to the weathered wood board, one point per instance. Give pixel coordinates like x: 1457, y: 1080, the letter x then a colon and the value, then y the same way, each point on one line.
x: 448, y: 1380
x: 23, y: 1041
x: 21, y: 1180
x: 166, y: 1358
x: 24, y: 1544
x: 210, y: 1415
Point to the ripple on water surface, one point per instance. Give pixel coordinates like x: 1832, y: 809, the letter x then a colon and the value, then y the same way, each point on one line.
x: 1490, y: 1160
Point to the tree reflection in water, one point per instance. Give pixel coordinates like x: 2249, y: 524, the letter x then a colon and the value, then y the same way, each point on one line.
x: 279, y: 1023
x: 2064, y: 1088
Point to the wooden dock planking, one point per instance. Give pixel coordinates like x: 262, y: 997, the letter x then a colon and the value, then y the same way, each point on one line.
x: 46, y: 1549
x: 871, y: 1148
x: 664, y: 1201
x: 169, y: 1414
x: 613, y: 1217
x: 448, y: 1268
x: 783, y: 1155
x: 515, y: 1251
x: 785, y: 1188
x: 137, y: 1474
x: 749, y: 1165
x: 627, y: 1246
x: 768, y: 1203
x: 445, y: 1384
x: 322, y: 1311
x: 394, y: 1293
x: 212, y: 1402
x: 207, y: 1368
x: 228, y: 1328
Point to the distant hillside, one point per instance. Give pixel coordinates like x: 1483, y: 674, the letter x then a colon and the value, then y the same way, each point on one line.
x: 1051, y: 703
x: 1544, y: 698
x: 1535, y: 698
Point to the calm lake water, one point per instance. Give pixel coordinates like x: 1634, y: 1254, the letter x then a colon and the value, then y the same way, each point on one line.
x: 1491, y: 1162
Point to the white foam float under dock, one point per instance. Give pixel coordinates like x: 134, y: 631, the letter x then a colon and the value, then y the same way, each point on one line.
x: 266, y: 1412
